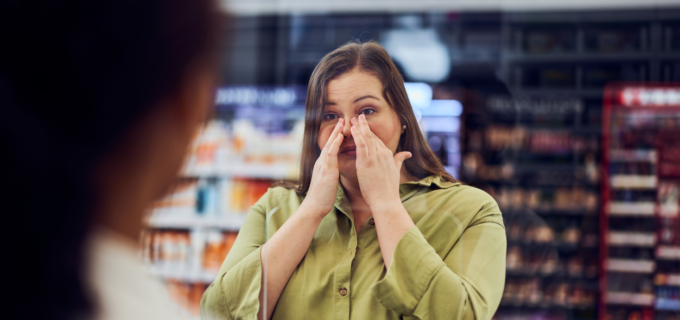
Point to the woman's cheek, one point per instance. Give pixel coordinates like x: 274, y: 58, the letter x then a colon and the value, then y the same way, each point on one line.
x: 324, y: 133
x: 378, y: 130
x: 386, y: 134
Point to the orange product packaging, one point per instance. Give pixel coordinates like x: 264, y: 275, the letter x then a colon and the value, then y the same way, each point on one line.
x: 238, y: 196
x: 256, y: 189
x: 213, y: 255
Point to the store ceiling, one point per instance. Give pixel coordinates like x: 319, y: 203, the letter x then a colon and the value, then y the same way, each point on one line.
x: 258, y: 7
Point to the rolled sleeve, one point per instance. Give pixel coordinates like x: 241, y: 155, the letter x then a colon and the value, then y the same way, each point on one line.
x: 414, y: 265
x: 466, y: 284
x: 235, y: 292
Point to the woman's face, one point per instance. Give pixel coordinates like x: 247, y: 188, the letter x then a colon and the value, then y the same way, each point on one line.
x: 348, y: 96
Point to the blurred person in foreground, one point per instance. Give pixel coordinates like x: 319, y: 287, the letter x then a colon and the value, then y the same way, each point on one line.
x: 99, y: 102
x: 375, y: 228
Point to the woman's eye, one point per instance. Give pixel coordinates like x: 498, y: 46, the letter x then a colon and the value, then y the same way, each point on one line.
x: 367, y: 112
x: 329, y: 116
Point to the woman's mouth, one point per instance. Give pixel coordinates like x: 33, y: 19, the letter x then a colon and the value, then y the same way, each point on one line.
x: 349, y: 150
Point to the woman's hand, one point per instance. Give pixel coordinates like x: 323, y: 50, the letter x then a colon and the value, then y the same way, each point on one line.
x: 378, y: 169
x: 324, y: 185
x: 379, y: 174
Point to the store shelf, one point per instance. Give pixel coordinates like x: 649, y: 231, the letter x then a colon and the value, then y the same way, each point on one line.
x: 564, y: 212
x: 257, y: 171
x: 544, y: 306
x: 552, y: 275
x: 561, y: 246
x: 626, y: 209
x: 624, y: 155
x: 533, y: 167
x: 571, y: 129
x: 182, y: 274
x: 584, y: 93
x: 632, y: 239
x: 588, y: 57
x: 630, y: 298
x: 631, y: 266
x: 667, y: 279
x: 231, y: 222
x: 667, y: 304
x: 668, y: 252
x: 633, y: 181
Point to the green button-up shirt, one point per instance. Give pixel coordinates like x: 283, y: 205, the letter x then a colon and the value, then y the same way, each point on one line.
x: 451, y: 265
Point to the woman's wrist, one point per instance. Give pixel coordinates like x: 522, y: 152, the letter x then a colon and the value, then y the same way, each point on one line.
x: 312, y: 211
x: 387, y: 208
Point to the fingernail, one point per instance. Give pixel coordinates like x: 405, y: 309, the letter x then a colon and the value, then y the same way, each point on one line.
x: 363, y: 116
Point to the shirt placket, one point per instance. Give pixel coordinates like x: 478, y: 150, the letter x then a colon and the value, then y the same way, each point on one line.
x: 343, y: 271
x: 343, y: 274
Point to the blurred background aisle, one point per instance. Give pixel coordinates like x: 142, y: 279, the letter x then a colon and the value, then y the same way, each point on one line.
x: 567, y: 113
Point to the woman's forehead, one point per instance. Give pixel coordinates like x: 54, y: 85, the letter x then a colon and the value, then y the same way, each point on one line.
x: 352, y: 86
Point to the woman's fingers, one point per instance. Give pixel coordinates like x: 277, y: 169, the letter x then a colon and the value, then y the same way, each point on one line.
x: 331, y: 138
x: 366, y: 132
x: 360, y: 142
x: 335, y: 146
x: 400, y: 157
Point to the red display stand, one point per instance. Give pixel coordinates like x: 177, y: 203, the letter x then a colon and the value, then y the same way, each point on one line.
x: 640, y: 192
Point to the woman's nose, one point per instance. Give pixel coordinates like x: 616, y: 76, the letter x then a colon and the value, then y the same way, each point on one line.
x: 347, y: 129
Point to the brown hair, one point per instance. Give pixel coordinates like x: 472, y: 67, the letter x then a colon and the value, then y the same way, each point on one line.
x: 372, y: 58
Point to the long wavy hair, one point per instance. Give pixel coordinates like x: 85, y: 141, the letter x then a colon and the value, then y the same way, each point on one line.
x: 371, y: 58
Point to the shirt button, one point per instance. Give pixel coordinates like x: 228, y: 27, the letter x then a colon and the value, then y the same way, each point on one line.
x: 343, y: 291
x: 371, y: 222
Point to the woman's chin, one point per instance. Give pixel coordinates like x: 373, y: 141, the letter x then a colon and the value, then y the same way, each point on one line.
x: 348, y: 171
x: 347, y: 164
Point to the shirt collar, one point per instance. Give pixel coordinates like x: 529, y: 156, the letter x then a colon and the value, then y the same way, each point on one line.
x: 406, y: 191
x: 429, y: 181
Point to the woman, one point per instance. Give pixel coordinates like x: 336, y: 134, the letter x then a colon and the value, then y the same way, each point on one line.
x: 375, y: 229
x: 99, y: 101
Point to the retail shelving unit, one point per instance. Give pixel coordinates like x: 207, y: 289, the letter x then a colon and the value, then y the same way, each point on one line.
x: 251, y: 143
x: 544, y: 177
x: 550, y: 57
x: 640, y: 194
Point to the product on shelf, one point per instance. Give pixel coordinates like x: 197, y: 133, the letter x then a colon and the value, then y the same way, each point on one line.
x: 575, y: 266
x: 181, y: 197
x: 575, y: 199
x: 550, y: 265
x: 208, y: 202
x: 544, y: 234
x: 514, y: 259
x: 550, y: 40
x: 241, y: 148
x: 185, y: 255
x: 571, y: 235
x: 216, y: 249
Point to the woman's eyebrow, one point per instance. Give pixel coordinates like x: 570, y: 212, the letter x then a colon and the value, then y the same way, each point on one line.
x: 331, y: 103
x: 365, y: 97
